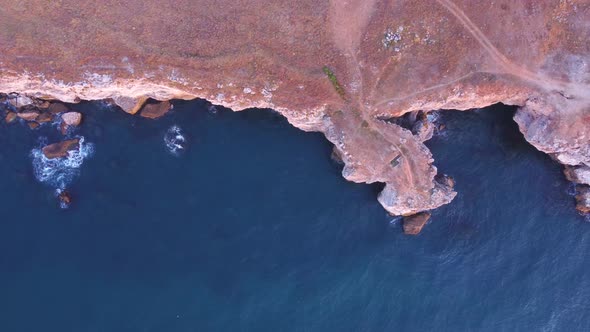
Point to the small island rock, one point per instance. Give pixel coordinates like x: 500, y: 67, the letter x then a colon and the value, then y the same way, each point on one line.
x: 60, y: 149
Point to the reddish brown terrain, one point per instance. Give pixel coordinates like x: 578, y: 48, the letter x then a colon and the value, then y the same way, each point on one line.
x: 344, y: 68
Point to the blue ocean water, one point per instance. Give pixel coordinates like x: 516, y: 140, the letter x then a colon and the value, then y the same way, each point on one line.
x: 252, y: 228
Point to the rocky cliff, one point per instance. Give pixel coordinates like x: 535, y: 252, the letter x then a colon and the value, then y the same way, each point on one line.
x: 348, y: 69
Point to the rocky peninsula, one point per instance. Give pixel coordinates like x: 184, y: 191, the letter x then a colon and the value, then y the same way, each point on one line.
x: 365, y: 73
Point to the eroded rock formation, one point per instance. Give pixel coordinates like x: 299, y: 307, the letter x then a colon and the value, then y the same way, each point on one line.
x: 344, y: 68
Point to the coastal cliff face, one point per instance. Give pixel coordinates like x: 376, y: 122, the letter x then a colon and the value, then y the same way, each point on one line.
x: 348, y: 69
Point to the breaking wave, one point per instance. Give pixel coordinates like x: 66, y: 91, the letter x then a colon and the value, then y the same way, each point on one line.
x: 175, y: 140
x: 60, y: 172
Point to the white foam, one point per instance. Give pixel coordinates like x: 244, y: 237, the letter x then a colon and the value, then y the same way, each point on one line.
x: 175, y: 140
x: 60, y: 172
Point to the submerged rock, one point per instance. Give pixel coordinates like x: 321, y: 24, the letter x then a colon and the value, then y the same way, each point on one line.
x: 64, y: 197
x: 155, y: 110
x: 175, y: 140
x: 10, y: 117
x: 413, y: 224
x: 60, y: 149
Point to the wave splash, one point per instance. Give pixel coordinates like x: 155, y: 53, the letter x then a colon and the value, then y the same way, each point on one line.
x: 175, y: 140
x: 60, y: 172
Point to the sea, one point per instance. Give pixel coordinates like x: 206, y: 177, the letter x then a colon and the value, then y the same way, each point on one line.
x: 213, y: 220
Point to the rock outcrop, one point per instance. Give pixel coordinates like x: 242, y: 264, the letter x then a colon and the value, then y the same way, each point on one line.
x: 344, y: 68
x: 155, y: 110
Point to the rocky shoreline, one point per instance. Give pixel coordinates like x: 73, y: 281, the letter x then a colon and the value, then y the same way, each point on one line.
x: 351, y: 70
x: 421, y: 125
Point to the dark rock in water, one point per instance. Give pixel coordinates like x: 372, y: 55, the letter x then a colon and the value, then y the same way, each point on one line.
x: 65, y: 199
x: 44, y: 117
x: 33, y: 125
x: 56, y: 108
x: 413, y: 224
x: 10, y: 117
x: 155, y: 110
x: 60, y: 149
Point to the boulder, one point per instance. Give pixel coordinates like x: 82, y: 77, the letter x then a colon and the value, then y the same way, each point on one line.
x: 72, y: 118
x: 20, y: 100
x: 155, y: 110
x: 60, y: 149
x: 28, y: 115
x: 413, y: 224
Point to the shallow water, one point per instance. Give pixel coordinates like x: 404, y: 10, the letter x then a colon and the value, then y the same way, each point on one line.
x: 252, y: 228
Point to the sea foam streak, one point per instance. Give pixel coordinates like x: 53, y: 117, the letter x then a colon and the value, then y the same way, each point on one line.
x: 60, y: 172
